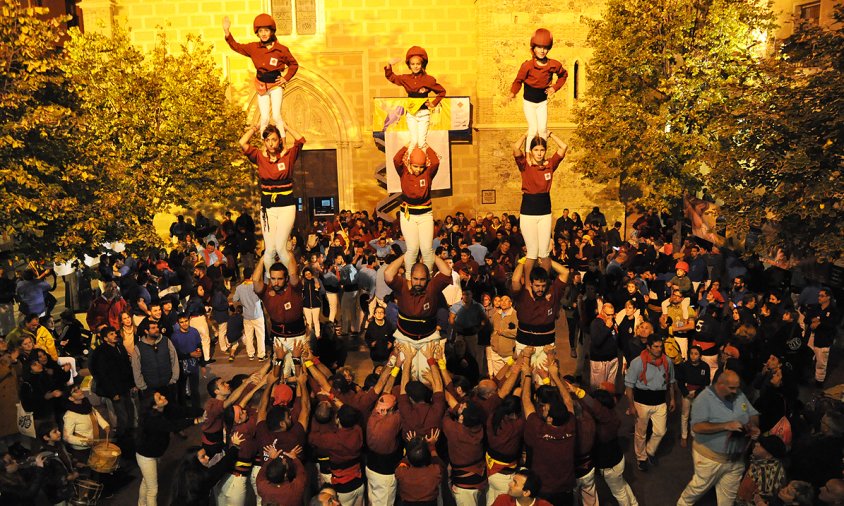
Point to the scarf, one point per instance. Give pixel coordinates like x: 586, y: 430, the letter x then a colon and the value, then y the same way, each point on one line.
x: 662, y: 361
x: 83, y: 408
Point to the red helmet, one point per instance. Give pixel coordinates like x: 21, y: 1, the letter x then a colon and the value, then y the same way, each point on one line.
x: 418, y: 157
x: 417, y: 51
x: 542, y: 37
x: 263, y: 21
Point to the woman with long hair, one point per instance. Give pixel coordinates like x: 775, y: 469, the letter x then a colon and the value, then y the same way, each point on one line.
x: 198, y: 473
x: 128, y: 331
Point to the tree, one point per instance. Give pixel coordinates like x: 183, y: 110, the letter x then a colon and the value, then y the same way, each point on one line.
x: 37, y: 193
x: 158, y: 128
x: 780, y: 164
x: 656, y: 79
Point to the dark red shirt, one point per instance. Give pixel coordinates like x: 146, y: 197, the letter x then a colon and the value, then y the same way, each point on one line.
x: 552, y: 453
x: 466, y: 452
x: 537, y: 178
x: 537, y: 317
x: 281, y: 440
x: 539, y: 76
x: 417, y: 484
x: 285, y: 309
x: 505, y: 444
x: 382, y: 433
x: 416, y: 189
x: 284, y: 494
x: 416, y: 85
x: 267, y: 59
x: 421, y: 417
x: 418, y: 313
x: 278, y: 174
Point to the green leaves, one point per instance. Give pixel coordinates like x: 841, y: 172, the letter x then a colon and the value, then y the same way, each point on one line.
x: 97, y: 137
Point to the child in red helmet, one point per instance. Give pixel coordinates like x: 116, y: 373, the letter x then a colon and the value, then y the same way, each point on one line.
x: 417, y: 168
x: 537, y: 75
x: 418, y: 84
x: 271, y: 59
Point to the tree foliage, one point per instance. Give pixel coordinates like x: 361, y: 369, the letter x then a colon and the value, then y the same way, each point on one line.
x: 781, y: 158
x: 657, y: 79
x: 97, y: 137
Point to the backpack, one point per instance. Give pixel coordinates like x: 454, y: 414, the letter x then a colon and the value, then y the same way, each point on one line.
x: 672, y: 350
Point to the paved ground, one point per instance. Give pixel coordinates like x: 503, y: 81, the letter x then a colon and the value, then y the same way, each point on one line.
x: 659, y: 486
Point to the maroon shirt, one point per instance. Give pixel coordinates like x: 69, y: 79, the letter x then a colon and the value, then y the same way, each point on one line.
x: 419, y: 307
x: 505, y: 444
x: 537, y: 178
x: 537, y: 317
x: 416, y: 189
x: 421, y: 417
x: 281, y: 440
x: 267, y: 59
x: 285, y: 310
x: 278, y: 174
x: 539, y: 76
x: 287, y: 493
x: 417, y: 484
x: 382, y: 432
x: 416, y: 85
x: 552, y: 453
x: 466, y: 451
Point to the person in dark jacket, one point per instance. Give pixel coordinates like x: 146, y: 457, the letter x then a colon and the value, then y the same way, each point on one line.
x: 379, y: 337
x: 111, y: 368
x: 692, y: 376
x: 39, y: 393
x: 603, y: 347
x: 158, y: 419
x: 197, y: 474
x: 188, y: 344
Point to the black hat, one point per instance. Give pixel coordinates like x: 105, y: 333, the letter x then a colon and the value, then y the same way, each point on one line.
x: 774, y: 446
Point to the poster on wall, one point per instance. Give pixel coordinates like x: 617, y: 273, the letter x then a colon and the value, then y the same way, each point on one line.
x: 389, y: 120
x: 704, y: 218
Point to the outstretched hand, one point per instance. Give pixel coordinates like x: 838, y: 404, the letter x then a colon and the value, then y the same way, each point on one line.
x: 227, y: 24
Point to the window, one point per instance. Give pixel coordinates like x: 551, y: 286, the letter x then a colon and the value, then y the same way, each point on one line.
x: 810, y: 12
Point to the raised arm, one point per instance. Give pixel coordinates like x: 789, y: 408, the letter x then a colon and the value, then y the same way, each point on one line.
x: 293, y: 269
x: 392, y: 269
x: 562, y: 147
x: 519, y: 146
x: 527, y: 404
x: 258, y: 276
x: 561, y: 270
x: 247, y: 135
x: 442, y: 266
x: 305, y: 399
x: 409, y: 353
x: 518, y: 274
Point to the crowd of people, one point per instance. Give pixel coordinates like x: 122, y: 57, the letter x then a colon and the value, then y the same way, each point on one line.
x: 463, y: 398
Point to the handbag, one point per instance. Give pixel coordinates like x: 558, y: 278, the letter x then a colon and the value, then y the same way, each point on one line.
x: 26, y: 421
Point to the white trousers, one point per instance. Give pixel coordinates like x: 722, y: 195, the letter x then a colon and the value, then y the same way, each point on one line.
x: 200, y: 323
x: 657, y: 415
x: 536, y: 231
x: 465, y: 496
x: 498, y: 484
x: 381, y: 488
x: 708, y: 473
x: 494, y: 362
x: 538, y: 357
x: 288, y: 343
x: 601, y: 371
x: 222, y: 328
x: 270, y: 104
x: 312, y: 318
x: 333, y: 303
x: 536, y: 115
x: 148, y: 493
x: 585, y: 491
x: 354, y: 498
x: 254, y: 329
x: 253, y: 479
x: 614, y: 476
x: 420, y: 363
x: 821, y: 359
x: 277, y: 225
x: 418, y: 231
x: 231, y: 491
x: 417, y: 125
x: 685, y: 411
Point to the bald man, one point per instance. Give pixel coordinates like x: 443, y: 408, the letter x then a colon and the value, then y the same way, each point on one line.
x: 722, y: 421
x: 418, y: 299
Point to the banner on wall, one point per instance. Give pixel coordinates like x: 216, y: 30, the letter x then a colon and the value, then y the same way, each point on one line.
x: 452, y: 114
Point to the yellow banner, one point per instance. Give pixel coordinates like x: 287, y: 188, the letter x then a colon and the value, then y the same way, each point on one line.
x: 452, y: 113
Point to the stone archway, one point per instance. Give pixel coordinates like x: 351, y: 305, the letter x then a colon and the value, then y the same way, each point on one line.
x: 321, y: 113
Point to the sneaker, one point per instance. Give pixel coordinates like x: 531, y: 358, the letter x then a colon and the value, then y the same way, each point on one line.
x: 231, y: 358
x: 262, y: 359
x: 252, y: 357
x: 210, y: 361
x: 652, y: 461
x: 642, y: 465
